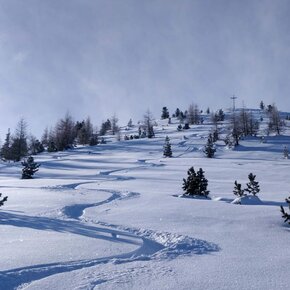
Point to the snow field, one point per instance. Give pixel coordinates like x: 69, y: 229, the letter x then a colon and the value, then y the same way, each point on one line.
x: 110, y: 217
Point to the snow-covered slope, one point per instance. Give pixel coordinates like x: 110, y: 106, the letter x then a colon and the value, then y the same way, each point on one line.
x: 109, y: 217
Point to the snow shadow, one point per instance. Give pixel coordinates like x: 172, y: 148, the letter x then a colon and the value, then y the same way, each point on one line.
x: 62, y: 226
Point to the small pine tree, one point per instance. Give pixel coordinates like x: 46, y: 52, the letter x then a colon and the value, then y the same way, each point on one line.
x: 165, y: 113
x: 167, y: 152
x: 253, y: 186
x: 238, y: 189
x: 3, y: 199
x: 286, y: 215
x: 209, y: 149
x: 30, y: 167
x: 262, y: 106
x: 196, y: 183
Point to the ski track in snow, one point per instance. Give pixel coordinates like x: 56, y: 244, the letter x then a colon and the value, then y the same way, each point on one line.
x: 153, y: 245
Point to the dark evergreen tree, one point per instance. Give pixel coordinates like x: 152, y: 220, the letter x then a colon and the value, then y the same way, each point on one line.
x: 84, y: 131
x: 51, y: 147
x: 209, y: 149
x: 262, y: 106
x: 238, y: 189
x: 221, y: 115
x: 165, y: 113
x: 19, y: 146
x: 105, y: 127
x: 167, y: 151
x: 35, y: 146
x: 186, y: 126
x: 196, y: 183
x: 179, y: 127
x: 215, y: 135
x: 177, y: 113
x: 30, y: 167
x: 94, y: 140
x: 286, y: 215
x: 3, y: 199
x: 253, y: 186
x: 6, y: 151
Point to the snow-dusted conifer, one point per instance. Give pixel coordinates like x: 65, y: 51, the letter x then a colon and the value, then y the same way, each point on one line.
x: 30, y: 167
x: 209, y: 149
x: 167, y: 151
x: 238, y: 189
x: 165, y: 113
x: 196, y: 183
x: 253, y: 186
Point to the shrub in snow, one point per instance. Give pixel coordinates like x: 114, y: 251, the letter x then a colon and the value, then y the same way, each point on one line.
x: 253, y: 186
x: 209, y: 149
x: 165, y: 113
x: 238, y: 191
x: 3, y: 199
x: 30, y: 167
x: 196, y: 183
x: 286, y: 215
x: 167, y: 152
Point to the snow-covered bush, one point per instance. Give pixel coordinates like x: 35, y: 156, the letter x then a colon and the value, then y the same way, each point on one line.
x: 3, y: 199
x: 209, y: 149
x: 253, y: 186
x: 238, y: 189
x: 196, y: 183
x: 30, y: 167
x: 286, y: 215
x: 167, y: 151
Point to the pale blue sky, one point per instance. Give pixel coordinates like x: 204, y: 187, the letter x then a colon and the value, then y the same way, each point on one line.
x: 97, y: 58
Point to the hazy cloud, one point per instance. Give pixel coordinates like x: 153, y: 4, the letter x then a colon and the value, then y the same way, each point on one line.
x: 98, y: 58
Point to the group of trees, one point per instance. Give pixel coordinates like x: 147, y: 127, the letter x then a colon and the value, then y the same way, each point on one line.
x: 252, y: 188
x: 19, y: 144
x: 195, y: 184
x: 67, y: 133
x: 241, y: 124
x: 64, y: 135
x: 191, y: 116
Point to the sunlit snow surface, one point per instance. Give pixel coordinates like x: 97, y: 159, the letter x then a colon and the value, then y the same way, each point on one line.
x: 110, y: 217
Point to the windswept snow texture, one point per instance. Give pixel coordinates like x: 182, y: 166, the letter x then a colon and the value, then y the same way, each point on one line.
x: 110, y: 216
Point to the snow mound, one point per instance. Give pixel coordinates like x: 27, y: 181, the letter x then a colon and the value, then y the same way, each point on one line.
x: 247, y: 200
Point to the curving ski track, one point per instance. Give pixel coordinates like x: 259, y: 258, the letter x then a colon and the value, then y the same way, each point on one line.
x: 153, y: 245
